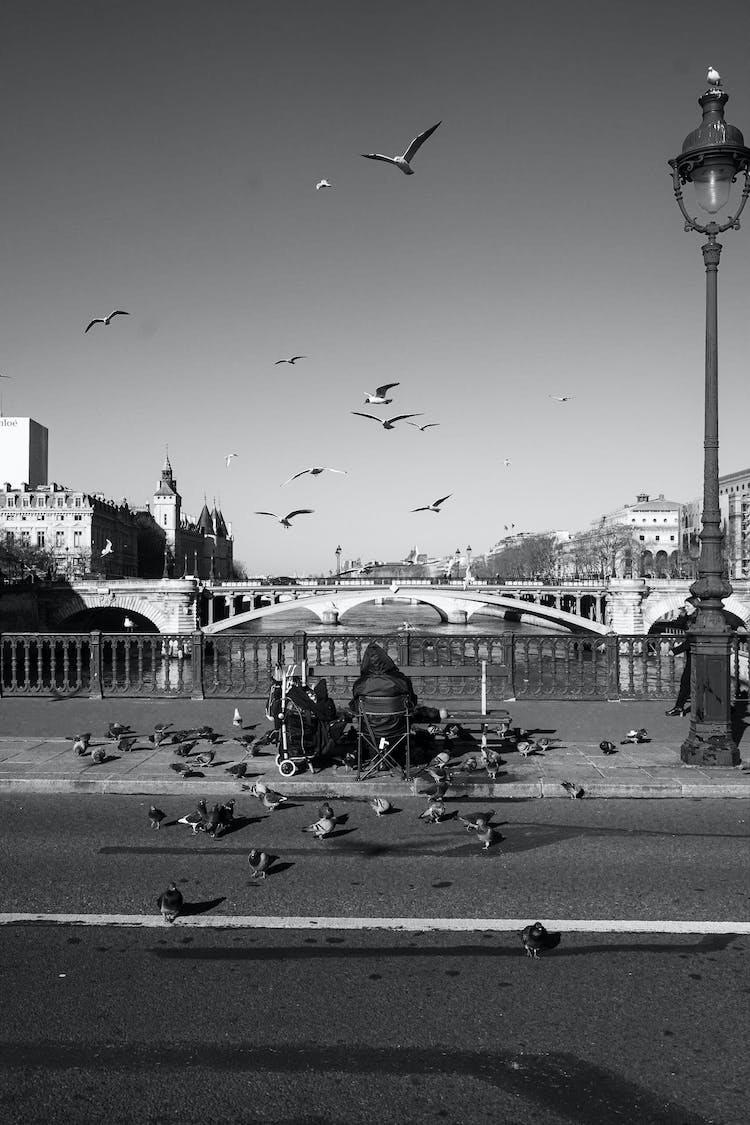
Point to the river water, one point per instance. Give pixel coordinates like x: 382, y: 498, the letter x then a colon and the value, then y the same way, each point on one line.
x: 378, y: 620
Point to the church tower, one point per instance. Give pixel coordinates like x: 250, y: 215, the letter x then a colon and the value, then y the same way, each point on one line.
x: 167, y: 505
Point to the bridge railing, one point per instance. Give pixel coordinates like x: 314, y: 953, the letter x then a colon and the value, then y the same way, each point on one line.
x: 453, y: 666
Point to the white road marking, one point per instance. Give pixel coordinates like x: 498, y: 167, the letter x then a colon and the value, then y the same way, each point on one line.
x: 447, y: 925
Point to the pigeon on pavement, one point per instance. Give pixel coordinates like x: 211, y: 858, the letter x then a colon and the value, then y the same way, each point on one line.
x: 98, y: 755
x: 170, y: 903
x: 487, y: 836
x: 635, y: 736
x: 476, y: 822
x: 536, y: 939
x: 607, y: 747
x: 239, y: 769
x: 573, y: 791
x: 81, y: 743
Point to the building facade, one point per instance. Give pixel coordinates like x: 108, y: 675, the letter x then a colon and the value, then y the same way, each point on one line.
x: 86, y: 534
x: 654, y: 550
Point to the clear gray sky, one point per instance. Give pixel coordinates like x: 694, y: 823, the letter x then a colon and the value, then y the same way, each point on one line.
x: 161, y: 157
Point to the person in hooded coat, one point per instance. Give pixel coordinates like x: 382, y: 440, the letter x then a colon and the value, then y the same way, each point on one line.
x: 381, y: 678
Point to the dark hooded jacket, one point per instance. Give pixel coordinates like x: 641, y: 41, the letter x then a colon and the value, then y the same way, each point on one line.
x: 379, y: 676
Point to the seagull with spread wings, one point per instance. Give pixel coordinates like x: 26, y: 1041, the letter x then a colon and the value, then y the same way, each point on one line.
x: 379, y: 396
x: 105, y: 319
x: 107, y: 549
x: 561, y: 398
x: 434, y: 506
x: 285, y: 521
x: 314, y: 472
x: 321, y: 183
x: 292, y: 359
x: 230, y: 457
x: 386, y: 423
x: 404, y: 162
x: 426, y: 426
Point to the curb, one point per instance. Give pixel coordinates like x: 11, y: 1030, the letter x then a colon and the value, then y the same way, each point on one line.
x: 516, y: 790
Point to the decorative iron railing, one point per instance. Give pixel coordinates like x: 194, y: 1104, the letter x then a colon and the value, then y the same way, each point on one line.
x: 240, y: 665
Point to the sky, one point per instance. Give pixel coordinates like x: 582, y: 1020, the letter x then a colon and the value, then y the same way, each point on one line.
x: 161, y: 157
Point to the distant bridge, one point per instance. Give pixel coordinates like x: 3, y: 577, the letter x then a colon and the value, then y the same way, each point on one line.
x: 453, y: 606
x: 181, y: 606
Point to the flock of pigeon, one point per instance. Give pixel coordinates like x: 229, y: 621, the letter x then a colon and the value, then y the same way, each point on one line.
x: 196, y: 750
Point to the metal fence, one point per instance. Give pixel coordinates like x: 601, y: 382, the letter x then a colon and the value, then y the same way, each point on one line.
x: 240, y: 665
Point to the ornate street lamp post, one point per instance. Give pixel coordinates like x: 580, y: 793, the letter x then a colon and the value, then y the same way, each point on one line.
x: 338, y: 560
x: 712, y: 158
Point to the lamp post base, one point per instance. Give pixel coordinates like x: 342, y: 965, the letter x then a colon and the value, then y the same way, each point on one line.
x: 710, y: 741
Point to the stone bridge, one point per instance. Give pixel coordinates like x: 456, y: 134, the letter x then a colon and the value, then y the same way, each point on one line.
x: 180, y: 606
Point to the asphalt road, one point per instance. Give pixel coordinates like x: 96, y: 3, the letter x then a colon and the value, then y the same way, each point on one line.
x: 177, y: 1023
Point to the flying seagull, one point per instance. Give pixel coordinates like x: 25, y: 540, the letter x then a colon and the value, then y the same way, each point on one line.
x: 386, y: 423
x: 561, y: 398
x: 315, y: 472
x: 229, y: 457
x: 506, y: 462
x: 379, y: 397
x: 286, y: 520
x: 107, y: 549
x: 105, y: 319
x: 713, y: 77
x: 422, y: 428
x: 6, y: 376
x: 321, y: 183
x: 403, y: 162
x: 435, y: 506
x: 292, y: 359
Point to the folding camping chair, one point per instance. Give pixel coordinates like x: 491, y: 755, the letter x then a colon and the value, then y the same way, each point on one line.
x: 383, y: 731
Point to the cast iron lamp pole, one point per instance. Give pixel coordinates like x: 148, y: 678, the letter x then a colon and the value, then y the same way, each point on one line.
x: 712, y: 158
x: 338, y: 560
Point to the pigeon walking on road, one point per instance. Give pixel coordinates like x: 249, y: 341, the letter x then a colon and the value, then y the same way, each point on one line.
x: 155, y: 816
x: 321, y: 828
x: 259, y: 863
x: 404, y: 162
x: 488, y: 836
x: 379, y: 805
x: 536, y: 939
x: 98, y: 755
x: 170, y: 903
x: 198, y: 819
x: 81, y: 743
x: 434, y: 812
x: 476, y: 822
x: 114, y: 730
x: 270, y: 799
x: 607, y: 747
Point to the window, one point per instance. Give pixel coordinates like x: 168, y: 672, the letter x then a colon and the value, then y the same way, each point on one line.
x: 77, y: 536
x: 59, y: 538
x: 78, y: 501
x: 26, y: 501
x: 671, y: 539
x: 26, y: 538
x: 40, y: 538
x: 641, y: 537
x: 656, y: 537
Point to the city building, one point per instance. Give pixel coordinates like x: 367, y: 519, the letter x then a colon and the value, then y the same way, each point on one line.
x: 654, y: 548
x: 734, y: 505
x: 23, y: 452
x: 201, y: 547
x: 84, y: 533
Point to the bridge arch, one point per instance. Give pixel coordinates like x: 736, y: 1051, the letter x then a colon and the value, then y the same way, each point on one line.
x: 665, y: 607
x: 139, y: 609
x: 448, y: 605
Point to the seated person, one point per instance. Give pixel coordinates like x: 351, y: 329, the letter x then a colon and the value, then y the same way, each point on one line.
x: 381, y: 680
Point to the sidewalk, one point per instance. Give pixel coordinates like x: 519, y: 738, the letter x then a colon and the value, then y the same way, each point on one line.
x: 36, y: 756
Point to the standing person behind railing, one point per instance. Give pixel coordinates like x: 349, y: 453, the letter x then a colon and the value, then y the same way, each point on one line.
x: 683, y: 622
